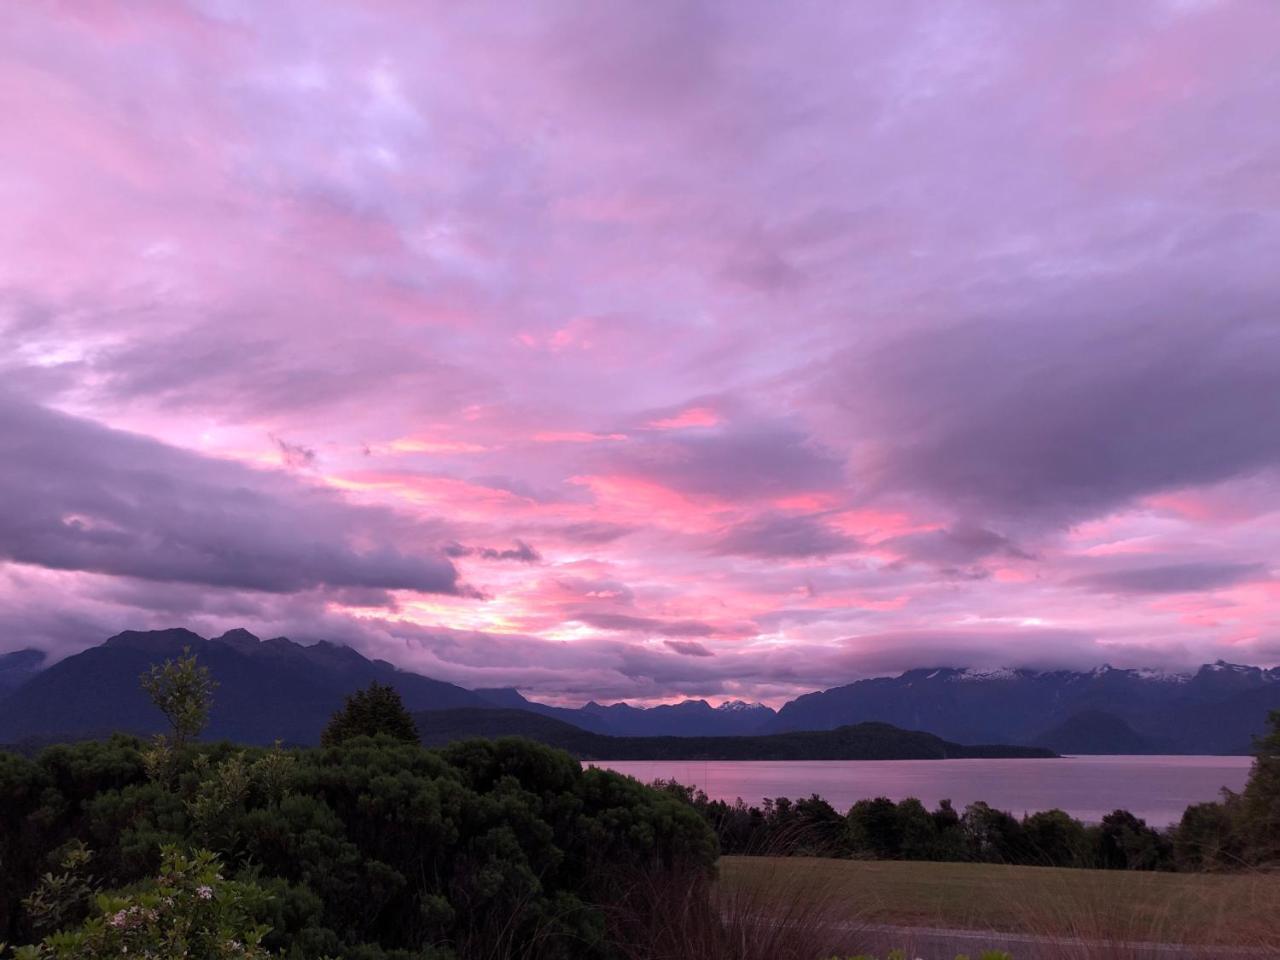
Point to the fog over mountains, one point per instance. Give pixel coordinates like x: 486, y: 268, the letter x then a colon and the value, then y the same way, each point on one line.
x: 278, y: 689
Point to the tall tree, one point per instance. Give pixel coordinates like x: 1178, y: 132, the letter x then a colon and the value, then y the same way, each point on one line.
x: 369, y: 712
x: 1260, y: 802
x: 183, y: 691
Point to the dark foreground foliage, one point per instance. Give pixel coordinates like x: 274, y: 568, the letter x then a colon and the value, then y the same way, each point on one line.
x: 370, y: 849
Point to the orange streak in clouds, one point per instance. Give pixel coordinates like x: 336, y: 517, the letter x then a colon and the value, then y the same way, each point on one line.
x: 458, y: 495
x: 806, y: 502
x: 575, y: 436
x: 428, y: 445
x: 693, y: 417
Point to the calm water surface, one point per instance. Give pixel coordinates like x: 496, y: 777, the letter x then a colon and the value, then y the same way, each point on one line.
x: 1157, y: 789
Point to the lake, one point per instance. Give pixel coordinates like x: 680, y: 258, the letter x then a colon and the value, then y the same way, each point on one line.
x: 1157, y: 789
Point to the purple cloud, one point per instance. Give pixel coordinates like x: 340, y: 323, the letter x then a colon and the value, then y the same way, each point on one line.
x: 760, y: 461
x: 1080, y: 413
x: 651, y: 625
x: 81, y: 497
x: 779, y: 535
x: 955, y: 546
x: 687, y: 648
x: 521, y: 552
x: 1173, y: 578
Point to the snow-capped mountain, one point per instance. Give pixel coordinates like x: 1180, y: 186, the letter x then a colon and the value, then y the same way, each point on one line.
x: 741, y: 706
x: 1216, y: 709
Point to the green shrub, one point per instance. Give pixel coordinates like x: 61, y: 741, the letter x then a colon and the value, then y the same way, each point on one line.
x: 189, y: 911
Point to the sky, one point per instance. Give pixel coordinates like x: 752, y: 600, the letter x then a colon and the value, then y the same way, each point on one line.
x: 645, y: 350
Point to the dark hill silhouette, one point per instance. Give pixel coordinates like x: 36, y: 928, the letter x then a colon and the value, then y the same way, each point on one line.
x: 864, y: 741
x: 1097, y: 732
x: 17, y: 668
x: 268, y: 689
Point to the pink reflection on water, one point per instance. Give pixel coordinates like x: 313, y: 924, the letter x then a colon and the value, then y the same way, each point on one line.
x: 1155, y: 788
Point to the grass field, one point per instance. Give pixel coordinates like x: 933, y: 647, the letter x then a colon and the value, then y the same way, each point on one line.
x: 1089, y: 904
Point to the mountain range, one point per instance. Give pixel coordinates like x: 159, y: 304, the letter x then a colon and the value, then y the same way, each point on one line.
x: 1218, y: 709
x: 278, y: 689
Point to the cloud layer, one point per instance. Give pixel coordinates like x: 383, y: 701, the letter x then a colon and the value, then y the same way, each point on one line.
x: 704, y: 349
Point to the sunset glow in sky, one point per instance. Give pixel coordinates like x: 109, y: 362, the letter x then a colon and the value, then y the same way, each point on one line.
x: 645, y: 350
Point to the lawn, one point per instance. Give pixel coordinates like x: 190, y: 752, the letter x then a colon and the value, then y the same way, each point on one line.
x: 1091, y: 904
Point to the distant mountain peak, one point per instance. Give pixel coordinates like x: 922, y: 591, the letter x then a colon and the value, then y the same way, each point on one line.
x: 154, y: 640
x: 29, y: 657
x: 1222, y: 666
x: 18, y: 667
x: 240, y: 639
x: 998, y: 673
x: 1161, y: 676
x: 735, y: 706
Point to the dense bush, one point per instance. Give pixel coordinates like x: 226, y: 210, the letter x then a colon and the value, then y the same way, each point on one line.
x: 373, y: 848
x: 881, y: 829
x: 1243, y: 830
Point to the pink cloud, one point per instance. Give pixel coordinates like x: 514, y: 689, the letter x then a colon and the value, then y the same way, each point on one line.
x: 690, y: 417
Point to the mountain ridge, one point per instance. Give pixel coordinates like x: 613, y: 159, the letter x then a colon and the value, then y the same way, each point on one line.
x: 278, y: 688
x: 268, y: 689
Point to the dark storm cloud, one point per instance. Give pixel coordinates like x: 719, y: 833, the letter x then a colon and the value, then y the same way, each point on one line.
x: 1173, y: 578
x: 294, y: 455
x: 592, y: 532
x: 779, y: 535
x: 688, y: 648
x: 521, y: 552
x: 79, y: 496
x: 1063, y: 420
x: 957, y: 545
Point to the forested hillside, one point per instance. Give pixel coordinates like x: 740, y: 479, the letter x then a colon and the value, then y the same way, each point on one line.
x: 864, y: 741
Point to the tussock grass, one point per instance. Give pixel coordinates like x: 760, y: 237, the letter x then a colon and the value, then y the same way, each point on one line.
x: 680, y: 916
x: 1080, y: 914
x: 1112, y: 918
